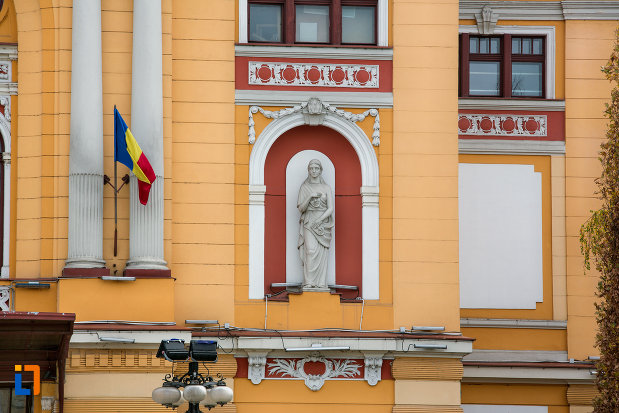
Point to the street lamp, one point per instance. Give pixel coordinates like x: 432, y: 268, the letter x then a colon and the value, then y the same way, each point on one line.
x: 197, y: 388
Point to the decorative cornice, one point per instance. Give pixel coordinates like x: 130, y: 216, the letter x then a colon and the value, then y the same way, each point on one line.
x: 516, y: 356
x: 591, y: 10
x: 541, y: 374
x: 512, y: 104
x: 305, y: 52
x: 290, y: 98
x: 513, y: 323
x: 511, y: 147
x: 543, y: 10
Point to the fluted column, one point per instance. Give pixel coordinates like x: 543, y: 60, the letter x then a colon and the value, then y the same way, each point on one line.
x: 86, y: 156
x: 146, y: 227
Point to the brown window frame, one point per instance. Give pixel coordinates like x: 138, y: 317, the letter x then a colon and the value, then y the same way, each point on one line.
x: 505, y: 57
x: 335, y: 20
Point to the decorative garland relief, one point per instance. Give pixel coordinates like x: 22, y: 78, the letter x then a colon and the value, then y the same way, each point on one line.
x: 314, y: 111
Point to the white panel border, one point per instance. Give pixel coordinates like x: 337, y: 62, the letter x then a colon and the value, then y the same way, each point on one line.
x: 369, y: 195
x: 383, y: 22
x: 548, y: 31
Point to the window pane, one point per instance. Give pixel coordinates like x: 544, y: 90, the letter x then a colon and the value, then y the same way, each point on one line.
x: 515, y: 45
x: 474, y: 45
x: 495, y: 45
x: 312, y: 24
x: 484, y: 44
x: 5, y: 400
x: 526, y: 79
x: 526, y: 46
x: 358, y: 24
x: 18, y: 403
x: 265, y: 23
x: 537, y: 46
x: 484, y: 78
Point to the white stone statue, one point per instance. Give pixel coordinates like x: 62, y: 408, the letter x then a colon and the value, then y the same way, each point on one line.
x: 316, y: 224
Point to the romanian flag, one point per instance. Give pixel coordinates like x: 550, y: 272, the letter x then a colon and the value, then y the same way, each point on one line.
x: 128, y: 152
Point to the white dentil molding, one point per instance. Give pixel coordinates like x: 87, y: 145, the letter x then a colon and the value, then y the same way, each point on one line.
x: 283, y: 122
x: 511, y: 147
x: 382, y: 20
x: 548, y: 31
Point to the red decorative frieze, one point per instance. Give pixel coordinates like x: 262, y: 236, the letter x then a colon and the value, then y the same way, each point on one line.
x: 502, y: 125
x: 314, y: 370
x: 314, y: 74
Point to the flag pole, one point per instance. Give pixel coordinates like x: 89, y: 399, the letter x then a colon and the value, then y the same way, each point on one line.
x: 115, y: 191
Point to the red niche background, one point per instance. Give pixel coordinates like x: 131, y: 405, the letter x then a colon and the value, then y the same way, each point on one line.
x: 347, y: 202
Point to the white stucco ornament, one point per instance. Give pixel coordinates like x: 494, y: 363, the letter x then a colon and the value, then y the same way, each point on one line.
x: 256, y: 366
x: 5, y: 299
x: 314, y: 111
x: 333, y: 369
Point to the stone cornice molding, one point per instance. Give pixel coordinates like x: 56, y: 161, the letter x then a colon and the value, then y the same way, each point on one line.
x: 543, y: 10
x: 359, y: 347
x: 293, y: 97
x: 511, y: 147
x: 511, y: 104
x: 513, y: 323
x: 530, y: 375
x: 308, y: 52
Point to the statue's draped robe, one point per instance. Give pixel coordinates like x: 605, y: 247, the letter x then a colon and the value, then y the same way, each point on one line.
x: 314, y: 240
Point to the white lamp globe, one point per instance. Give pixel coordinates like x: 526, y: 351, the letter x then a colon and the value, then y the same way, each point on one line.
x: 194, y: 393
x: 208, y: 400
x: 180, y: 401
x: 221, y: 394
x: 166, y: 395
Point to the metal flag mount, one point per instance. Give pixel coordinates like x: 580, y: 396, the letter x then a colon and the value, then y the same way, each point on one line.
x: 125, y: 180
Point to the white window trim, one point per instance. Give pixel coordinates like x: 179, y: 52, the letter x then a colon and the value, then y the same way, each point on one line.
x: 383, y: 22
x: 369, y: 196
x: 548, y: 31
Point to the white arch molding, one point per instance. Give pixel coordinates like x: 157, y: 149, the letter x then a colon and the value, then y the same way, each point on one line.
x: 5, y: 132
x: 369, y: 196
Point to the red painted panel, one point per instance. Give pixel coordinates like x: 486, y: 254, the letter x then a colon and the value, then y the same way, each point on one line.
x: 385, y: 68
x: 555, y: 125
x: 347, y: 202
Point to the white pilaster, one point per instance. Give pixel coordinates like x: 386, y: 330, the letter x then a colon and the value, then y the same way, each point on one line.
x: 6, y: 228
x: 146, y: 227
x: 86, y: 156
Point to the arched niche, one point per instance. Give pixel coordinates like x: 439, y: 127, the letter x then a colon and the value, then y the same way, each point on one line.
x: 368, y: 192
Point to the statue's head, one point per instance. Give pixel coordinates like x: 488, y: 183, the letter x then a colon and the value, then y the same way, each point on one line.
x: 314, y: 168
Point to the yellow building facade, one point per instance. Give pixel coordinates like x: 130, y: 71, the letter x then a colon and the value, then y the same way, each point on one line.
x: 459, y: 140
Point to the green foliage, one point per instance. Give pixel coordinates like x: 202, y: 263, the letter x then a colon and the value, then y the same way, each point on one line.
x: 599, y: 240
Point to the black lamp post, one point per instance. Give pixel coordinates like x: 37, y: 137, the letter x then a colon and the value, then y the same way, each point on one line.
x: 197, y: 388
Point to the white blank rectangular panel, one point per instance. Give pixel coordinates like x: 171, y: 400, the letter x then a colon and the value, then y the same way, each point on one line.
x: 500, y: 219
x: 496, y: 408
